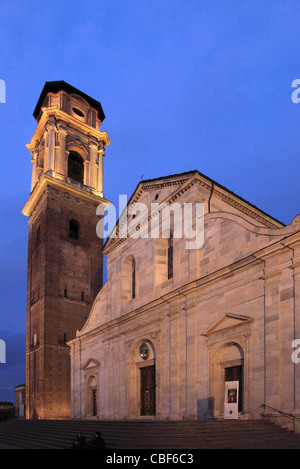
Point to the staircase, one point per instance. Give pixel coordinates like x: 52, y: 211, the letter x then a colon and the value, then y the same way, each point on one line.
x: 214, y: 434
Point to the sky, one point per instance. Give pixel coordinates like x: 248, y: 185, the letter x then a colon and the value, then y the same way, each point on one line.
x: 184, y: 84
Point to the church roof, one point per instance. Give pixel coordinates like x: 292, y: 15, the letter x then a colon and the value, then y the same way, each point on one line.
x: 242, y: 203
x: 214, y: 183
x: 56, y: 86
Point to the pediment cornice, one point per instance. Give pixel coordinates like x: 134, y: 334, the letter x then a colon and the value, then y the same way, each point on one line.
x: 228, y: 325
x: 183, y: 183
x: 90, y: 363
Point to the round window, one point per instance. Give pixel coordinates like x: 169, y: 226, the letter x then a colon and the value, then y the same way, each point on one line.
x: 144, y: 351
x: 78, y: 112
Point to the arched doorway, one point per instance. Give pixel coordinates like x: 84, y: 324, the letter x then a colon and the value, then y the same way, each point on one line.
x: 92, y: 398
x: 228, y: 366
x: 142, y: 380
x: 147, y: 382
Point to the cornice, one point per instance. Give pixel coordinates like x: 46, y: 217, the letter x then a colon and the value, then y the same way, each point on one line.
x: 67, y: 119
x: 47, y: 180
x: 217, y: 329
x: 232, y: 200
x: 227, y: 197
x: 182, y: 185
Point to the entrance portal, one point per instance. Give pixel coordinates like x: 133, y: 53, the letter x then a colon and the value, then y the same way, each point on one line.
x: 235, y: 373
x: 147, y: 380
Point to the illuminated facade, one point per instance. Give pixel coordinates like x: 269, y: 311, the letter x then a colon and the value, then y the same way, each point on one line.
x: 64, y: 252
x: 171, y: 326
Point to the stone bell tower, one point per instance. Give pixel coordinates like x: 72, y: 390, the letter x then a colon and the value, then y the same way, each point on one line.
x: 64, y: 252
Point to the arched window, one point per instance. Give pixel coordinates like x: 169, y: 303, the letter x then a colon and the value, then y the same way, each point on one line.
x: 74, y: 229
x: 129, y: 279
x: 163, y: 258
x: 75, y: 166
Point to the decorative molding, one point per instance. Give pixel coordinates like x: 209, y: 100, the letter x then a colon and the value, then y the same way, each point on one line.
x: 90, y: 363
x: 46, y: 180
x: 238, y: 325
x: 182, y: 185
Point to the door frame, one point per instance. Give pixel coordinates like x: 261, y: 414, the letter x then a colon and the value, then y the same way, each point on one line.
x: 153, y: 394
x: 240, y: 379
x: 133, y: 381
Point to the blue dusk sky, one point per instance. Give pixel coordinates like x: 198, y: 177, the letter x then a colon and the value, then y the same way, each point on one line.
x: 184, y: 84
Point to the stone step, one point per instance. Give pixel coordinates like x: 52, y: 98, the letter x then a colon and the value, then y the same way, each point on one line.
x: 41, y: 434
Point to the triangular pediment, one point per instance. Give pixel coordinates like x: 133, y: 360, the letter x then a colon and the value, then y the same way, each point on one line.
x: 169, y: 189
x: 90, y: 363
x: 226, y: 322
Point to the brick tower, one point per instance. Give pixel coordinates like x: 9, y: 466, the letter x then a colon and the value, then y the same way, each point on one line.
x: 64, y: 251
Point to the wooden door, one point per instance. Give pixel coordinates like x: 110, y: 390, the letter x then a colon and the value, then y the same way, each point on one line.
x: 147, y: 375
x: 94, y: 402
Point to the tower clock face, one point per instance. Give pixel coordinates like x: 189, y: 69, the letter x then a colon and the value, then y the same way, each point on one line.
x: 144, y: 351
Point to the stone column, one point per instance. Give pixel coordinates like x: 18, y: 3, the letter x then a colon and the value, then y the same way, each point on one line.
x: 182, y: 357
x: 272, y: 363
x: 86, y: 175
x: 295, y: 353
x: 46, y: 150
x: 101, y: 153
x: 107, y: 393
x: 174, y: 348
x: 34, y: 165
x: 51, y: 148
x: 60, y: 163
x: 122, y: 377
x: 191, y: 351
x: 286, y: 331
x: 93, y: 164
x: 165, y: 387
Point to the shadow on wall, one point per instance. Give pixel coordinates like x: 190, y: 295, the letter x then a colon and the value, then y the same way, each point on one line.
x: 205, y: 408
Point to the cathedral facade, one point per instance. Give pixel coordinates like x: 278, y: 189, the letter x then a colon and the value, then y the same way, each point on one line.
x: 202, y: 289
x: 174, y: 323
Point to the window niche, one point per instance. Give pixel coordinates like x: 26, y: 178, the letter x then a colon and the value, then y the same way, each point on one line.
x: 75, y: 166
x: 129, y: 279
x: 74, y: 228
x: 163, y: 259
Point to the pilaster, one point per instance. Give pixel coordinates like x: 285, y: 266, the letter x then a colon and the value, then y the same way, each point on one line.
x: 101, y: 154
x: 60, y: 163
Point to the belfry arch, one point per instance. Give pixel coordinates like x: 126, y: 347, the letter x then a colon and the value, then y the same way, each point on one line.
x: 75, y: 166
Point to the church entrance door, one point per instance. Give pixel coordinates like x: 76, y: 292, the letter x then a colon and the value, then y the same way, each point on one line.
x: 147, y: 375
x: 235, y: 373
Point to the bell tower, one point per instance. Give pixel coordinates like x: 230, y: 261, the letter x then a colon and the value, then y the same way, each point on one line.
x: 64, y: 252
